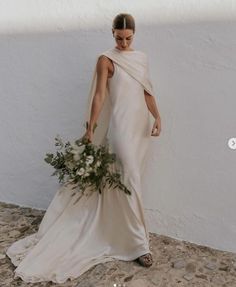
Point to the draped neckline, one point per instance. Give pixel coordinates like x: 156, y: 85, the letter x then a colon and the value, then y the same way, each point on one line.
x: 123, y: 51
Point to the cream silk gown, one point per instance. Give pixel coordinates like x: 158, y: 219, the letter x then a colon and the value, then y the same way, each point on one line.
x: 78, y: 232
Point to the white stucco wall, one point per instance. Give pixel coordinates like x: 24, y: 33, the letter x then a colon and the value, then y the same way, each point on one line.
x: 47, y: 55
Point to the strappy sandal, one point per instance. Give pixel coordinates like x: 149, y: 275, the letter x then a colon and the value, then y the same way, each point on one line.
x: 145, y: 260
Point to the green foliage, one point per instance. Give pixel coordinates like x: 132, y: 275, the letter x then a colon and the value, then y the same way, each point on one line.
x: 85, y: 165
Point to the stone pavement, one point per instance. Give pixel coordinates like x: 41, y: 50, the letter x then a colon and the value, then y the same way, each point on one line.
x: 176, y: 263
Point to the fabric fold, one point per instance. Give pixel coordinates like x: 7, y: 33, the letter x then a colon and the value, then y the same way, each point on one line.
x: 137, y: 68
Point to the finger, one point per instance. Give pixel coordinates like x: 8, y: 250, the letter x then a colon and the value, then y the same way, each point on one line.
x: 154, y: 129
x: 155, y: 133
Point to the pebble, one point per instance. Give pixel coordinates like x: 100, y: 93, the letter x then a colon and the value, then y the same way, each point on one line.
x: 188, y: 276
x: 190, y: 267
x: 2, y: 256
x: 179, y: 264
x: 211, y: 265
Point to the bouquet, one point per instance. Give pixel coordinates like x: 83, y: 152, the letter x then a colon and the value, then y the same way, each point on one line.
x: 85, y: 165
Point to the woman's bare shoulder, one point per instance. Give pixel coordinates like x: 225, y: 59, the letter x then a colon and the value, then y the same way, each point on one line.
x: 102, y: 62
x: 103, y: 59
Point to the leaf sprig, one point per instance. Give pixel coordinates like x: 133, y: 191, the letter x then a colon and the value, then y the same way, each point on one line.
x: 85, y: 165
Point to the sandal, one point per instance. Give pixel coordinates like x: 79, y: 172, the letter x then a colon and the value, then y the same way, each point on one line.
x: 145, y: 260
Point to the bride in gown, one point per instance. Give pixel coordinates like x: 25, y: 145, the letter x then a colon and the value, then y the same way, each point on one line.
x: 75, y: 235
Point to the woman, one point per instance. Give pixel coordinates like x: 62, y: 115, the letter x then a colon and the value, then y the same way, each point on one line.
x: 128, y: 118
x: 75, y: 235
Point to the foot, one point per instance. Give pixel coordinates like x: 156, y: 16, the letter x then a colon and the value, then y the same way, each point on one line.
x: 145, y: 260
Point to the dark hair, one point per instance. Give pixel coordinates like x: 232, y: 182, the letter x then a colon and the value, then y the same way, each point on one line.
x: 124, y: 21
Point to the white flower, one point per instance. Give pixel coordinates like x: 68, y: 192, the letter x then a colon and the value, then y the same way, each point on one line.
x: 86, y: 174
x: 89, y: 159
x: 76, y: 149
x: 80, y: 171
x: 98, y: 163
x: 76, y: 157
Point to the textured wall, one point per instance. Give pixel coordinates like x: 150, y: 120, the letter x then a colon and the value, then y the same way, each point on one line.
x: 47, y: 55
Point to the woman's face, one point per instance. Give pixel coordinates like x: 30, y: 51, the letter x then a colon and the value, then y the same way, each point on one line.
x: 123, y: 38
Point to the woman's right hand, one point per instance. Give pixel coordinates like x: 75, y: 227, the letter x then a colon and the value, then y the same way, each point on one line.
x: 88, y: 135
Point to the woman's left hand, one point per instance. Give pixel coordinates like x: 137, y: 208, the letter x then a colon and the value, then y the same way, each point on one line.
x: 156, y: 128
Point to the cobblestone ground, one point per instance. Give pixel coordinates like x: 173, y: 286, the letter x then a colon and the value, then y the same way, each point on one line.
x: 176, y: 263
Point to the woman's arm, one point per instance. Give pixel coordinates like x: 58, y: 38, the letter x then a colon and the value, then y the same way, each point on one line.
x: 152, y: 106
x: 99, y: 96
